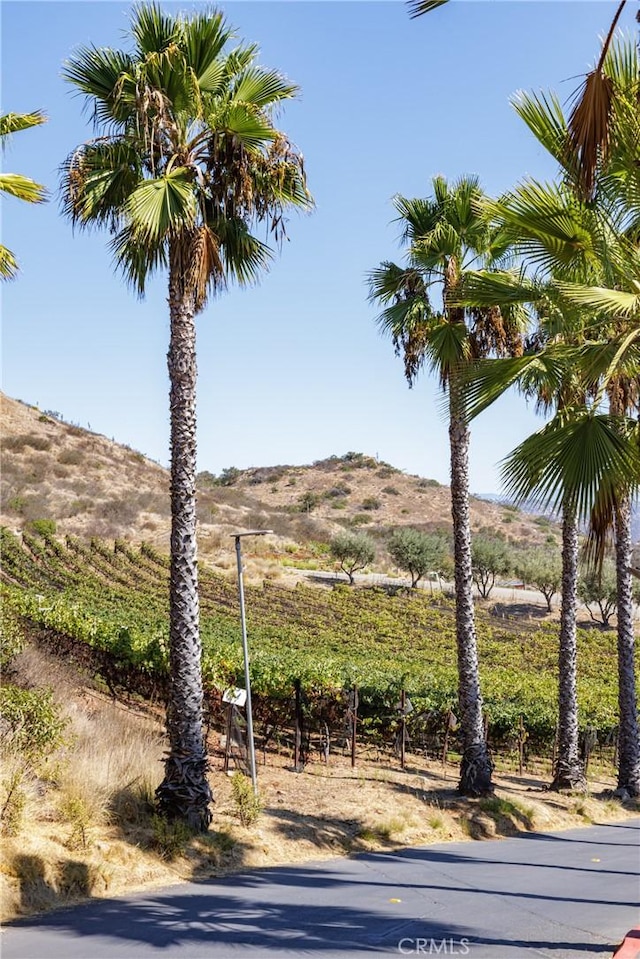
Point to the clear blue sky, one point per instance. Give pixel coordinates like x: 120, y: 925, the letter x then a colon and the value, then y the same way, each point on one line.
x: 293, y: 370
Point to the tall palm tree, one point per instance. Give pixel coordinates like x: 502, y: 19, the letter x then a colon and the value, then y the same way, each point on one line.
x: 445, y: 235
x: 186, y: 161
x: 14, y: 184
x: 589, y: 252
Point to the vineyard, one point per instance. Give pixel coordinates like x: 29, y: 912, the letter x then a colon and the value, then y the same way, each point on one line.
x: 112, y: 600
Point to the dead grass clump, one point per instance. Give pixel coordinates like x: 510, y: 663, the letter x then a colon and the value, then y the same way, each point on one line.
x: 120, y: 512
x: 17, y: 444
x: 71, y: 457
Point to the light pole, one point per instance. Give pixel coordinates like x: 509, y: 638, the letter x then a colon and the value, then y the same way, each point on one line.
x: 245, y: 651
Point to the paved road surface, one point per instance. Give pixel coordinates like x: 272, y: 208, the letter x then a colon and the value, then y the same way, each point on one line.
x: 567, y: 894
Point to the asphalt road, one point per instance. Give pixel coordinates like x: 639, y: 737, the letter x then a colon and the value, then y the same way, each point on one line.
x: 566, y: 894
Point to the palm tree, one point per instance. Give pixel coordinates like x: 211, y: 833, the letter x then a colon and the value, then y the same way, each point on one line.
x: 14, y: 184
x: 186, y: 161
x: 588, y: 253
x: 445, y: 235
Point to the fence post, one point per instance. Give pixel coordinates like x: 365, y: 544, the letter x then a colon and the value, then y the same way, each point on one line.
x: 227, y: 745
x: 403, y: 726
x: 297, y: 757
x: 445, y: 747
x: 354, y: 724
x: 521, y: 738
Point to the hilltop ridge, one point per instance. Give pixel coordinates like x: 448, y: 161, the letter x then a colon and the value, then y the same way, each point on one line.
x: 90, y: 485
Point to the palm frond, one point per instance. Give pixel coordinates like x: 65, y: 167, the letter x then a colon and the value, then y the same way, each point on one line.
x: 419, y: 7
x: 250, y: 129
x: 245, y: 256
x: 8, y: 264
x: 599, y: 300
x: 590, y: 118
x: 163, y: 207
x: 577, y: 458
x: 22, y: 187
x: 153, y: 30
x: 261, y: 88
x: 480, y: 288
x: 136, y: 258
x: 533, y: 374
x: 204, y: 36
x: 545, y: 117
x: 106, y: 78
x: 15, y: 122
x: 97, y: 180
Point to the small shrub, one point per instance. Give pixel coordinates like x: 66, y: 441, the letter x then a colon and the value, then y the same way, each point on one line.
x: 427, y: 484
x: 71, y: 457
x: 391, y: 490
x: 16, y: 444
x: 308, y: 501
x: 339, y: 490
x: 11, y: 634
x: 32, y: 721
x: 370, y: 503
x: 360, y: 519
x: 77, y: 506
x: 14, y: 798
x: 42, y: 527
x: 248, y: 806
x: 229, y: 476
x: 17, y: 504
x: 79, y: 816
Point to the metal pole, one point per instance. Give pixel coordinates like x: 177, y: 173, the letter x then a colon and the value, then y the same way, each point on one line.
x: 247, y: 682
x: 403, y: 726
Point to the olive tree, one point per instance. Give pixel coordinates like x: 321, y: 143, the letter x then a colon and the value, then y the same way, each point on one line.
x: 353, y: 551
x: 418, y: 553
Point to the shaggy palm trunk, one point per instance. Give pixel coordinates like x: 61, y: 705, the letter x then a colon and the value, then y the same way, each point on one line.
x: 184, y: 794
x: 569, y: 770
x: 628, y: 738
x: 476, y: 765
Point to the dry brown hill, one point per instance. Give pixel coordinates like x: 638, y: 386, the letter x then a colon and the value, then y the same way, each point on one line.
x: 92, y: 486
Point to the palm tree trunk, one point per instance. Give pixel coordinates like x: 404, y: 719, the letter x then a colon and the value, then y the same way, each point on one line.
x: 628, y: 738
x: 569, y: 770
x: 184, y: 794
x: 476, y: 766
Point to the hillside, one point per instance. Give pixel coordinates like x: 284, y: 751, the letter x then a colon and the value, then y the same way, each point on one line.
x: 92, y: 486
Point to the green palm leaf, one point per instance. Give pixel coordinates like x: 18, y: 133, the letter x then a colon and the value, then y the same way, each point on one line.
x: 8, y: 264
x: 15, y: 122
x: 14, y: 184
x: 162, y: 208
x: 106, y: 77
x: 97, y: 180
x: 263, y: 87
x: 152, y: 30
x: 245, y: 256
x: 575, y: 460
x: 603, y: 302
